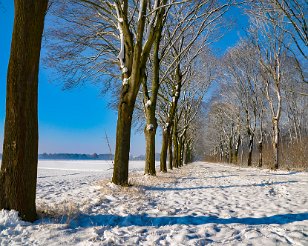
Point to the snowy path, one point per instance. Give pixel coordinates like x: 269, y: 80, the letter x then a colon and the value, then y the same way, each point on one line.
x: 199, y: 204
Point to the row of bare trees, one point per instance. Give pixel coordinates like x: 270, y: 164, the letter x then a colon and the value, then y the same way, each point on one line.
x: 157, y: 46
x: 153, y: 55
x: 264, y: 94
x: 145, y: 46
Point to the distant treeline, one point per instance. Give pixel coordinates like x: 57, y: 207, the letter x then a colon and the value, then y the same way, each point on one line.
x: 69, y: 156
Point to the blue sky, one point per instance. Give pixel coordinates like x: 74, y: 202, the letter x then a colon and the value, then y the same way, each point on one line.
x: 74, y: 121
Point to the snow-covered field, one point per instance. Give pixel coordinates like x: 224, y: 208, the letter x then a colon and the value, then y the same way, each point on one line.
x: 199, y: 204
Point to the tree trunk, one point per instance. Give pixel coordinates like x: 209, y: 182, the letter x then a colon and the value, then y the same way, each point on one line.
x: 150, y: 109
x: 250, y: 149
x: 237, y: 146
x: 175, y: 145
x: 230, y: 150
x: 169, y: 124
x: 242, y: 155
x: 276, y: 144
x: 18, y: 174
x: 187, y: 153
x: 121, y: 158
x: 170, y: 152
x: 260, y: 148
x: 133, y: 64
x: 164, y: 148
x: 132, y: 78
x: 149, y: 132
x: 221, y: 156
x: 186, y: 161
x: 180, y: 151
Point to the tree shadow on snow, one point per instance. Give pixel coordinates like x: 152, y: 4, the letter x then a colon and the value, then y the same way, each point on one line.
x: 84, y: 220
x: 222, y: 176
x: 215, y: 187
x: 275, y: 174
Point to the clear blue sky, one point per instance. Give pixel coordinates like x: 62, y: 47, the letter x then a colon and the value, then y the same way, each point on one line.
x: 73, y: 121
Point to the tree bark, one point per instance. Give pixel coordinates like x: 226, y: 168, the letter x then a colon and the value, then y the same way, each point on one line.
x: 242, y: 155
x: 230, y: 150
x: 237, y: 146
x: 276, y: 144
x: 180, y: 154
x: 133, y: 64
x: 150, y: 132
x: 187, y: 153
x: 260, y: 148
x: 18, y: 174
x: 221, y: 155
x: 150, y: 110
x: 170, y: 166
x: 132, y: 69
x: 178, y: 78
x: 250, y: 149
x: 175, y: 146
x: 164, y: 148
x: 120, y: 171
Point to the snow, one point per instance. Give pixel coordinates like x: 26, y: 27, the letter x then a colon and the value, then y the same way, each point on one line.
x: 125, y: 81
x: 150, y: 127
x: 124, y: 70
x: 198, y: 204
x: 148, y: 103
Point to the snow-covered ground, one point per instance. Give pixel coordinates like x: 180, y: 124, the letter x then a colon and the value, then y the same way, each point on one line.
x: 199, y: 204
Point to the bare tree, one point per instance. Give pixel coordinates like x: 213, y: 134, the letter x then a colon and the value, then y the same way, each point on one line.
x: 182, y: 53
x: 270, y: 41
x: 294, y: 19
x: 177, y: 25
x: 244, y: 77
x: 112, y: 35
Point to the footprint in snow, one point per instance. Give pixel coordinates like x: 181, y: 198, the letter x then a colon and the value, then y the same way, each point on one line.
x: 272, y: 192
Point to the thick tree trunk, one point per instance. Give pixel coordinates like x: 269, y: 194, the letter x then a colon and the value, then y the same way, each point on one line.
x: 170, y: 152
x: 132, y: 78
x: 150, y: 132
x: 164, y: 148
x: 121, y: 159
x: 250, y: 149
x: 18, y: 174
